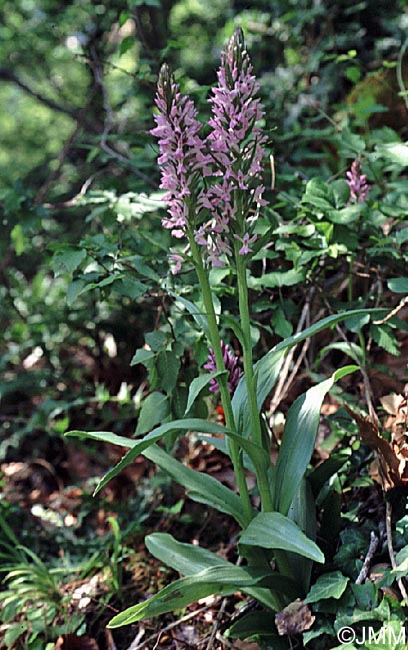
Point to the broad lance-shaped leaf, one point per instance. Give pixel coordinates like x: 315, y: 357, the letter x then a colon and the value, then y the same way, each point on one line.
x: 273, y: 530
x: 258, y: 456
x: 188, y: 559
x: 298, y: 439
x: 201, y: 487
x: 213, y: 580
x: 267, y: 369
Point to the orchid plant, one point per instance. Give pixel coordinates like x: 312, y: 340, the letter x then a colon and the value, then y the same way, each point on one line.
x: 214, y: 196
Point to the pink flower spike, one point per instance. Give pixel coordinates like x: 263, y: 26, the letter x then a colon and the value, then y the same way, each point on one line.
x: 357, y: 182
x: 181, y: 157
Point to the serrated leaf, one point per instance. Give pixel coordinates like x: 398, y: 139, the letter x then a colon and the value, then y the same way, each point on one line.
x: 328, y: 585
x: 168, y: 366
x: 67, y: 259
x: 384, y: 337
x: 142, y: 356
x: 155, y: 409
x: 274, y: 530
x: 156, y: 340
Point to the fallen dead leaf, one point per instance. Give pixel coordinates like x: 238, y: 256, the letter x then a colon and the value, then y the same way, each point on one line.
x: 295, y: 618
x: 392, y: 457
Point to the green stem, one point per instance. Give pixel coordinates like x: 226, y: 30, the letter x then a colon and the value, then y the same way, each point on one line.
x: 250, y: 380
x: 215, y: 340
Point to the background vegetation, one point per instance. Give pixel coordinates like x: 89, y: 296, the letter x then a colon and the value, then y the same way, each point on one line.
x: 88, y: 336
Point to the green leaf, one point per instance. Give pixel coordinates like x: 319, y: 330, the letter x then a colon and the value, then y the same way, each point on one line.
x: 177, y: 595
x: 189, y: 559
x: 219, y: 579
x: 346, y: 215
x: 384, y: 337
x: 126, y: 44
x: 130, y: 287
x: 257, y: 623
x: 156, y: 340
x: 67, y: 258
x: 278, y: 279
x: 75, y: 288
x: 351, y: 349
x: 13, y: 632
x: 298, y: 439
x: 319, y: 194
x: 273, y: 530
x: 395, y: 152
x: 356, y: 323
x: 303, y: 512
x: 199, y: 317
x: 18, y: 239
x: 398, y: 285
x: 155, y: 409
x: 258, y: 456
x: 266, y: 372
x: 401, y: 236
x: 328, y: 585
x: 168, y: 366
x: 267, y: 369
x: 142, y: 356
x: 197, y: 385
x: 201, y: 487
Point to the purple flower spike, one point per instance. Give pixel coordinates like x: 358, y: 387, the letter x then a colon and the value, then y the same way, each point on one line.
x: 236, y: 145
x: 357, y: 182
x: 182, y: 160
x: 231, y: 365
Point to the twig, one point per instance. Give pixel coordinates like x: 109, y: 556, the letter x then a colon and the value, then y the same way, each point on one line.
x: 153, y: 637
x: 362, y: 576
x: 388, y: 525
x: 109, y: 122
x: 9, y: 75
x: 392, y: 313
x: 210, y: 644
x: 72, y: 202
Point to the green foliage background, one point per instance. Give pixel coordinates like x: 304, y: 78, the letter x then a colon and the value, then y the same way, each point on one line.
x: 83, y: 257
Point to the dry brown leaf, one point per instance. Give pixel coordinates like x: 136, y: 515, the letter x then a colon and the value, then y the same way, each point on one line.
x: 295, y: 618
x: 393, y: 403
x: 393, y: 465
